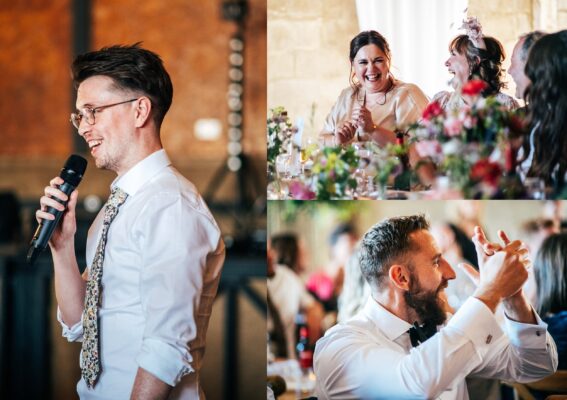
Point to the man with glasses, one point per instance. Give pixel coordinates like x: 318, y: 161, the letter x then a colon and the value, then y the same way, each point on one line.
x: 154, y: 252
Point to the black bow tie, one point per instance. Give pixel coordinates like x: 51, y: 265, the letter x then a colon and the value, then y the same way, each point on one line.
x: 419, y: 334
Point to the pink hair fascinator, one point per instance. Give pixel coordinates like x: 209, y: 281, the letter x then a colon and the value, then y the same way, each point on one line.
x: 474, y: 32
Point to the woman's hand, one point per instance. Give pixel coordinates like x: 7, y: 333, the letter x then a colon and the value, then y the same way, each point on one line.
x: 362, y: 117
x: 346, y: 133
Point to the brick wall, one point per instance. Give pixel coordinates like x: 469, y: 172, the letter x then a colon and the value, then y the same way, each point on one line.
x: 192, y: 39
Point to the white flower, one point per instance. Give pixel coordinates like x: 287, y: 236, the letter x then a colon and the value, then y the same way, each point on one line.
x: 453, y: 146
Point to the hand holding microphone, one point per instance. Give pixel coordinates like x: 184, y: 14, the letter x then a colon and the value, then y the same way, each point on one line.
x: 58, y: 195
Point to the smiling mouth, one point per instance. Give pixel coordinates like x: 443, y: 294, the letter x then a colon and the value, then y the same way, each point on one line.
x: 373, y: 77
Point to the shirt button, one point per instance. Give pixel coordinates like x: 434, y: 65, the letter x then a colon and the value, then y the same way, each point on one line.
x: 488, y: 339
x: 537, y: 333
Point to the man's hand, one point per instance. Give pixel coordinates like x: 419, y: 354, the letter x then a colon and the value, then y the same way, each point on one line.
x: 65, y: 231
x: 502, y: 268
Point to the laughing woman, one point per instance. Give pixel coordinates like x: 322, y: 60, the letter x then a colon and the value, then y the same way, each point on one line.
x: 376, y: 103
x: 475, y: 56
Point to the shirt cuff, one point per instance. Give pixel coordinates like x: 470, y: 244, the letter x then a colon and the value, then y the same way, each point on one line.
x: 73, y: 333
x: 527, y: 336
x: 164, y: 361
x: 475, y: 320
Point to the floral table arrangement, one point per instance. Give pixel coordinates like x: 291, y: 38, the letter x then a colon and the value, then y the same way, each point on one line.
x: 472, y: 145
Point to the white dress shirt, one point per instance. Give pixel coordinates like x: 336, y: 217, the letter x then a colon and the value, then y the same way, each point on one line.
x: 162, y: 266
x: 371, y: 357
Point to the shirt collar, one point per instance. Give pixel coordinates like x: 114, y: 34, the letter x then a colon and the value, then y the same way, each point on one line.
x: 140, y: 173
x: 390, y: 325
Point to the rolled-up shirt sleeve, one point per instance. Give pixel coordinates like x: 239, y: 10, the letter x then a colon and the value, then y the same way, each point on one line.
x: 71, y: 333
x: 182, y: 257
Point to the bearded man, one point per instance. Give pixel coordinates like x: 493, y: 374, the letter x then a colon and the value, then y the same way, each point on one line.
x: 400, y: 344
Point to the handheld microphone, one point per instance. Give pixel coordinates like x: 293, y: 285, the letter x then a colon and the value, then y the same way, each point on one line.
x: 72, y: 173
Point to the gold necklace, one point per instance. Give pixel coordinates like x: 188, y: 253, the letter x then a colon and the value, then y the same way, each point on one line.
x: 377, y: 102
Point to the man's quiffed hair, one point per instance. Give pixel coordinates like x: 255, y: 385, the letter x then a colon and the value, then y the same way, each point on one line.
x: 132, y: 68
x: 385, y: 243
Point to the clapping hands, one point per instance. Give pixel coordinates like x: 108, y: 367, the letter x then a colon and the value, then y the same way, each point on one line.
x: 503, y: 268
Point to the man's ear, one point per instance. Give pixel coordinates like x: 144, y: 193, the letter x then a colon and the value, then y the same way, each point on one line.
x: 400, y: 276
x: 143, y: 111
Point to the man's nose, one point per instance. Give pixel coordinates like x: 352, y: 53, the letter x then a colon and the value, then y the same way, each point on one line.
x: 448, y: 271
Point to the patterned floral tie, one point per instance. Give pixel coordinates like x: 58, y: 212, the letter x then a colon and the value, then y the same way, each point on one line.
x: 90, y: 359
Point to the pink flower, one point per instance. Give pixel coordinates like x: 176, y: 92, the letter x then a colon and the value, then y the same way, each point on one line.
x: 428, y: 148
x: 301, y: 192
x: 453, y: 126
x: 469, y: 121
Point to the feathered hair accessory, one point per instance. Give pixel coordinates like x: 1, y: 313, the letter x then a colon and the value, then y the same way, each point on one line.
x: 474, y: 32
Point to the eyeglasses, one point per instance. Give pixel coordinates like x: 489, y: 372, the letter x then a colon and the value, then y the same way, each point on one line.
x: 89, y: 113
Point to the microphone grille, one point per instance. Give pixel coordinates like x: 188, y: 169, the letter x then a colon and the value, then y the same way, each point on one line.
x: 74, y: 169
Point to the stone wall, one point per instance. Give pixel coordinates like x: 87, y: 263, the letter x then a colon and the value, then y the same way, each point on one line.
x: 308, y: 44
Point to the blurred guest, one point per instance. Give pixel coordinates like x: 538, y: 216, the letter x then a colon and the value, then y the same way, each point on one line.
x: 376, y: 103
x: 468, y: 216
x: 475, y: 56
x: 355, y: 290
x: 289, y: 297
x: 546, y: 68
x: 550, y: 268
x: 326, y: 284
x: 518, y: 61
x: 379, y: 354
x: 456, y: 248
x: 533, y: 233
x: 289, y: 250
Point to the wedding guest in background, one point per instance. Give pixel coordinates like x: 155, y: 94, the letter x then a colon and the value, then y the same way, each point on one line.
x: 533, y: 232
x: 550, y: 267
x: 378, y: 354
x: 289, y: 250
x: 376, y: 103
x: 516, y: 71
x: 355, y: 290
x: 326, y: 284
x: 289, y: 297
x: 475, y: 56
x: 546, y: 97
x: 518, y: 61
x: 456, y: 248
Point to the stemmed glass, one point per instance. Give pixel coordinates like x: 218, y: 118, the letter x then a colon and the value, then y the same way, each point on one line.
x: 283, y: 173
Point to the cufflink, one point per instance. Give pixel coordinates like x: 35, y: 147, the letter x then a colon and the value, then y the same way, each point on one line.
x: 488, y: 339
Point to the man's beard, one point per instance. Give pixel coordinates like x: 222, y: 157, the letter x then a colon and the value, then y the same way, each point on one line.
x: 426, y: 304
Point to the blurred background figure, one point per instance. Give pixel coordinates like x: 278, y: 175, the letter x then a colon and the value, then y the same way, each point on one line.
x: 355, y: 290
x: 294, y: 305
x: 326, y: 284
x: 533, y: 232
x: 457, y: 248
x: 550, y: 268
